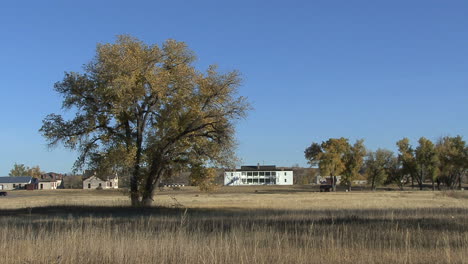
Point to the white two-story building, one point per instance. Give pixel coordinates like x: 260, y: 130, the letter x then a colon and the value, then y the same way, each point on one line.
x: 258, y: 175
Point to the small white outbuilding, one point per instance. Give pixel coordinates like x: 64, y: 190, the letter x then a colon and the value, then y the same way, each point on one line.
x: 95, y: 182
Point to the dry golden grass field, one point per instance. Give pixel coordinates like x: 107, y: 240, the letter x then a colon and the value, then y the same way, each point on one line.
x: 235, y: 225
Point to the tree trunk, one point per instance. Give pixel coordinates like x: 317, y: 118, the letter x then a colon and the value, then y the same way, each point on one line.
x: 134, y: 181
x: 334, y: 183
x: 438, y: 184
x: 420, y: 179
x: 134, y: 196
x: 148, y: 191
x: 460, y: 181
x: 151, y: 181
x: 433, y: 186
x: 146, y: 202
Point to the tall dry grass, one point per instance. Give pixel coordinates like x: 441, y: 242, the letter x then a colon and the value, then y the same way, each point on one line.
x: 245, y: 225
x: 157, y: 235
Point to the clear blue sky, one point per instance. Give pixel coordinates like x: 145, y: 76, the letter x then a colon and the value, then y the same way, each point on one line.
x: 378, y: 70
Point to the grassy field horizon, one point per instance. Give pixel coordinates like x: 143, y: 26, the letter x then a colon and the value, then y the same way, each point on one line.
x: 242, y: 197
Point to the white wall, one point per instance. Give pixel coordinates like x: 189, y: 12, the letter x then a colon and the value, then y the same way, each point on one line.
x: 319, y: 179
x: 6, y: 186
x: 48, y: 185
x: 9, y: 186
x: 284, y: 178
x: 93, y: 182
x: 233, y: 178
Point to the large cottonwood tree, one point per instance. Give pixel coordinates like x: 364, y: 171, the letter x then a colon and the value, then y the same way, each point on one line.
x: 378, y: 164
x: 420, y: 162
x: 329, y: 156
x: 148, y: 110
x: 427, y: 162
x: 354, y: 161
x: 407, y: 159
x: 452, y: 153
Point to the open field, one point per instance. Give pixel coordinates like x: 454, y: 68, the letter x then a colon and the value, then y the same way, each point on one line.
x: 235, y: 225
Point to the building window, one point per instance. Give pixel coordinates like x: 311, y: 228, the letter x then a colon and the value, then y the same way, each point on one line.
x: 273, y: 173
x: 110, y: 184
x: 249, y: 173
x: 243, y: 173
x: 267, y: 173
x: 14, y: 185
x: 255, y: 173
x: 42, y: 186
x: 249, y: 181
x: 89, y: 185
x: 261, y: 173
x: 285, y: 180
x: 284, y: 173
x: 100, y: 185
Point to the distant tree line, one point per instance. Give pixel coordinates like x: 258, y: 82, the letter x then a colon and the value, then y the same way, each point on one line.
x: 23, y: 170
x: 443, y: 163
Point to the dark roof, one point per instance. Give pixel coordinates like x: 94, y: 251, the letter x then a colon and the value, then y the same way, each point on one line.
x: 19, y: 179
x: 259, y: 168
x: 51, y: 176
x: 102, y: 178
x: 47, y: 180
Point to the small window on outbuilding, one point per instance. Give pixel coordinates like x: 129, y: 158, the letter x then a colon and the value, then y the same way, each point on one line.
x: 89, y: 185
x: 285, y: 180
